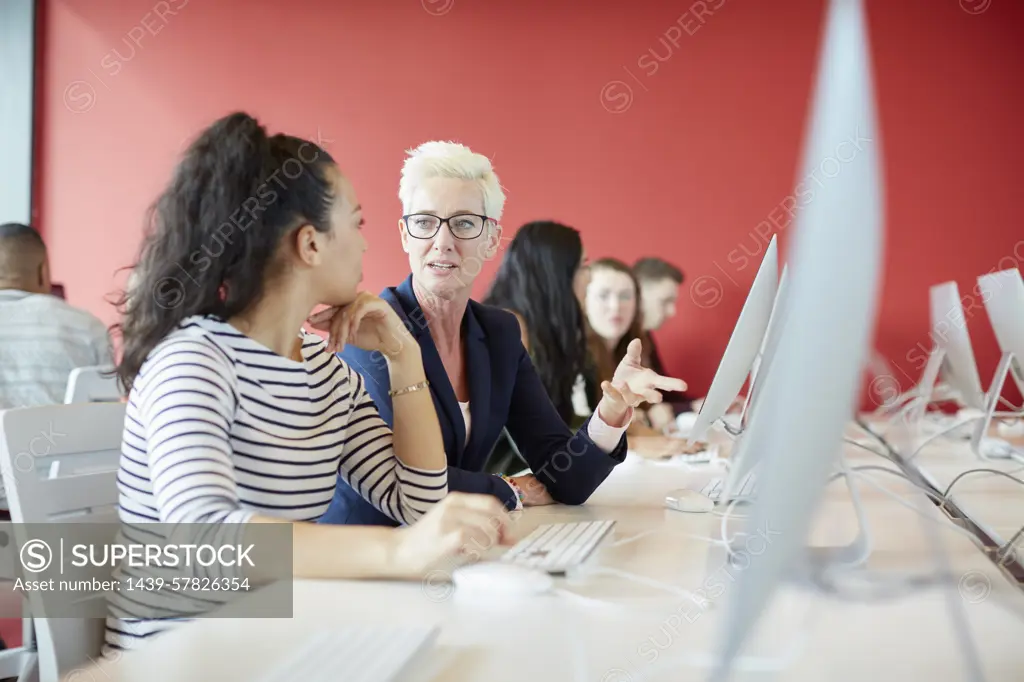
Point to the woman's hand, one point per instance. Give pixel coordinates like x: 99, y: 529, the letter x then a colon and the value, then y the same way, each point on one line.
x: 535, y: 494
x: 461, y: 527
x: 368, y: 322
x: 663, y: 447
x: 631, y: 385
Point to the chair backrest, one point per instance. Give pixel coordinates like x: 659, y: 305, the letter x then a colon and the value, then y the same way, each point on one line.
x: 92, y: 385
x: 60, y: 465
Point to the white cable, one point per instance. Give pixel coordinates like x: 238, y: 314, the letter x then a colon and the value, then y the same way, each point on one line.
x: 952, y: 427
x: 641, y: 580
x: 725, y: 541
x: 658, y: 531
x: 945, y: 523
x: 865, y: 446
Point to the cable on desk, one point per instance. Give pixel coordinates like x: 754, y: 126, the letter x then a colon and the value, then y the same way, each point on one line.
x: 945, y: 523
x: 954, y: 604
x: 1005, y: 550
x: 896, y: 456
x: 945, y: 495
x: 660, y: 531
x: 863, y: 446
x: 893, y: 454
x: 874, y: 467
x: 726, y: 542
x: 584, y: 570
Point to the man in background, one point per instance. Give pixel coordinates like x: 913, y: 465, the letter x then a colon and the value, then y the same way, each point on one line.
x: 42, y: 338
x: 659, y: 290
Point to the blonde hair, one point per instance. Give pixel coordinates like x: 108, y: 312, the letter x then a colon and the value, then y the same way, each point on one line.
x: 451, y: 160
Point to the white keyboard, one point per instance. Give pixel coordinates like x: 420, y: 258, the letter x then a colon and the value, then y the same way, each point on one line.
x: 555, y: 547
x: 714, y: 488
x: 705, y: 456
x: 355, y: 653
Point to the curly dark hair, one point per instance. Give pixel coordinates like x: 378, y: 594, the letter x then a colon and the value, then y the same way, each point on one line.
x: 213, y: 233
x: 535, y: 280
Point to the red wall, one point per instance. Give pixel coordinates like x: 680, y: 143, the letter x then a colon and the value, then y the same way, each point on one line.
x: 685, y: 164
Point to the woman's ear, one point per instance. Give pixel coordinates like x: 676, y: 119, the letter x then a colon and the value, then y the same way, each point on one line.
x: 493, y: 241
x: 308, y: 245
x: 403, y: 235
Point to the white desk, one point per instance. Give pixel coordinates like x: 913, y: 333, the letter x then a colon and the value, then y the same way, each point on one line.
x: 606, y: 629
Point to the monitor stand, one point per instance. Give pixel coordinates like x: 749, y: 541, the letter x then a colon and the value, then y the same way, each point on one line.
x: 847, y: 556
x: 912, y: 405
x: 1008, y: 366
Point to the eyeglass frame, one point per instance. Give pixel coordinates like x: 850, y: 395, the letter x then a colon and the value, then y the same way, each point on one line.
x: 405, y: 219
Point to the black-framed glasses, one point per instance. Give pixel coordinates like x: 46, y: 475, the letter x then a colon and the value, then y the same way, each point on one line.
x: 462, y: 225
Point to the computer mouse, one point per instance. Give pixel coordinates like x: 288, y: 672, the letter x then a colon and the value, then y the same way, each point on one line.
x: 501, y: 578
x: 686, y: 500
x: 996, y: 448
x: 685, y: 422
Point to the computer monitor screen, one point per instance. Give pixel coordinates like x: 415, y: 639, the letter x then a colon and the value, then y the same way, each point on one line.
x: 771, y: 339
x: 1003, y: 295
x: 949, y: 334
x: 811, y: 391
x: 744, y: 344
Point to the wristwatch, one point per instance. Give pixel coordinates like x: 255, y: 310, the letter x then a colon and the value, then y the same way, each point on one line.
x: 520, y: 496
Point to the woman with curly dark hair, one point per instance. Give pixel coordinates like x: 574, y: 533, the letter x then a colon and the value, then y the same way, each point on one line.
x: 236, y: 414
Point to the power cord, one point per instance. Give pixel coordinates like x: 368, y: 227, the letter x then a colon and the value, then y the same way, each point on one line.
x: 658, y: 531
x: 944, y: 574
x: 864, y: 446
x: 945, y: 495
x: 899, y: 500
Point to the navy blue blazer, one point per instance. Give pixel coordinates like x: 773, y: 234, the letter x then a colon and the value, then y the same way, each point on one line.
x: 504, y: 392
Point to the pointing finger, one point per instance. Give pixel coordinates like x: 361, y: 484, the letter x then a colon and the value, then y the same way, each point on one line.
x: 668, y: 383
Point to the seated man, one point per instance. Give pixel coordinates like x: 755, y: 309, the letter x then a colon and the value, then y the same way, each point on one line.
x: 42, y: 338
x: 659, y: 290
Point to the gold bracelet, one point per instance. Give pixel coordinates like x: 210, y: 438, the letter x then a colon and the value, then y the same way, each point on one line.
x: 409, y: 389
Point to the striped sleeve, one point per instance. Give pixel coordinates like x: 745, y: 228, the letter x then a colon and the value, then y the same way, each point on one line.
x: 369, y: 465
x: 187, y: 403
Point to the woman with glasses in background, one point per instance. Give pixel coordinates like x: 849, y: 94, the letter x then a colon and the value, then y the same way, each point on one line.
x: 480, y: 376
x: 612, y: 307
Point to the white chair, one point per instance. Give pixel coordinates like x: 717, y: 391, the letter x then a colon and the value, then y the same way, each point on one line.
x: 92, y: 385
x: 59, y: 465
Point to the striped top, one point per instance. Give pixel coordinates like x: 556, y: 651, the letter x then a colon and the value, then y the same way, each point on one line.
x: 218, y: 427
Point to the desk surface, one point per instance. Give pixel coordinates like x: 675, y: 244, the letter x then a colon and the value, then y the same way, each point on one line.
x: 604, y: 628
x: 991, y: 501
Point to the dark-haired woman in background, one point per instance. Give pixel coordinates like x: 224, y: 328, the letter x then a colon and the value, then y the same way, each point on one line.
x: 235, y: 414
x: 612, y: 307
x: 543, y: 267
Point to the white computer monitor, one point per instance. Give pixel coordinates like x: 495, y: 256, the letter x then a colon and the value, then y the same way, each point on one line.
x: 771, y: 342
x: 1003, y: 295
x: 812, y: 388
x: 950, y: 336
x: 744, y: 344
x: 741, y: 461
x: 92, y: 385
